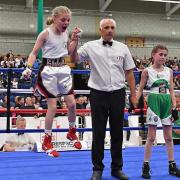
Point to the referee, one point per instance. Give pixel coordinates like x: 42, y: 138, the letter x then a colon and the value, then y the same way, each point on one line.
x: 111, y: 63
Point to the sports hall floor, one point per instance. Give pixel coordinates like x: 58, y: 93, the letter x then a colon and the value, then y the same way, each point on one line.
x: 76, y: 165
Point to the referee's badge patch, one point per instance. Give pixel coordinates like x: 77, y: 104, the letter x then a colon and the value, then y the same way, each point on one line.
x: 65, y: 45
x: 120, y: 58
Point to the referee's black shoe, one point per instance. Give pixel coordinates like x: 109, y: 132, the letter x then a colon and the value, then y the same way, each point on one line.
x: 119, y: 175
x: 146, y: 171
x: 174, y: 170
x: 96, y: 175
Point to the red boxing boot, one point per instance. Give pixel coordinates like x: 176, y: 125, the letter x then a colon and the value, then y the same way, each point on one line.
x: 47, y: 146
x: 71, y: 135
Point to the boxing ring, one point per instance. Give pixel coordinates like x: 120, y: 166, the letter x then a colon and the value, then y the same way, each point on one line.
x: 77, y: 165
x: 74, y: 164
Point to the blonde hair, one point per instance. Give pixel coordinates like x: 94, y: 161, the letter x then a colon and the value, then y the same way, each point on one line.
x: 56, y: 12
x: 49, y: 21
x: 106, y: 19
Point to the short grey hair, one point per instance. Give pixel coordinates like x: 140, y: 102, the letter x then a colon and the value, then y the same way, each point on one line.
x: 20, y: 118
x: 105, y: 19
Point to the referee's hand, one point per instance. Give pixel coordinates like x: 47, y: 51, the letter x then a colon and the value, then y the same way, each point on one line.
x: 134, y: 101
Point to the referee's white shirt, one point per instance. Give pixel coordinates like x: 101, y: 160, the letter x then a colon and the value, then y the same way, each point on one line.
x: 107, y: 64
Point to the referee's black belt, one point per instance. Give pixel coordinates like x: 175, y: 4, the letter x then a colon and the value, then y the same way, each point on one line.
x: 108, y: 92
x: 53, y: 62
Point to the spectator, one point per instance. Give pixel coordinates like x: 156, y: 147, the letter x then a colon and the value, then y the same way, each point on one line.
x: 18, y: 61
x: 28, y: 105
x: 81, y: 104
x: 4, y: 103
x: 19, y: 102
x: 19, y: 141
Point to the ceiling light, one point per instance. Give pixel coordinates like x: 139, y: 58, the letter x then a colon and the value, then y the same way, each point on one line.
x: 31, y: 26
x: 164, y: 1
x: 46, y: 10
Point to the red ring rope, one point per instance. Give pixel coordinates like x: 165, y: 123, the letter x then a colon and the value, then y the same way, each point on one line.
x: 25, y: 111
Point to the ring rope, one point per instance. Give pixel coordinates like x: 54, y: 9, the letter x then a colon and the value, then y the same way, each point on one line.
x: 78, y: 129
x: 30, y: 91
x: 79, y: 111
x: 73, y: 71
x: 30, y: 111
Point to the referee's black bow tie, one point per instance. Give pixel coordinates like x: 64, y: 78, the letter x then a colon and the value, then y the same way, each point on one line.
x: 107, y: 42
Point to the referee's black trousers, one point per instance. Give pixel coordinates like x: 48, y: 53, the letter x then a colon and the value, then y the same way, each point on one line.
x: 104, y: 106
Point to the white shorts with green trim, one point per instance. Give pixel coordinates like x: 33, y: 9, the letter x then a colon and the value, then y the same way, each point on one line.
x: 153, y: 119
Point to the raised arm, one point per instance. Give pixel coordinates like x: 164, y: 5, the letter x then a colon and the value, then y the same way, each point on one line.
x: 73, y: 43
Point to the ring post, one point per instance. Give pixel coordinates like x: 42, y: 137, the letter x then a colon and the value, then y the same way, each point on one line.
x: 8, y: 100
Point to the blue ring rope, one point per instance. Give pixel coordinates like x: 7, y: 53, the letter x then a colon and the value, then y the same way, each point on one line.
x: 78, y: 129
x: 72, y: 71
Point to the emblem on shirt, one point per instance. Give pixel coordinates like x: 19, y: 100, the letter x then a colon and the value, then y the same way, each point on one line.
x: 118, y: 60
x: 150, y: 119
x: 155, y: 119
x: 162, y: 88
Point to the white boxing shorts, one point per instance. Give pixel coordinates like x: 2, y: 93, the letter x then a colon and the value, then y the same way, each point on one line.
x: 54, y: 81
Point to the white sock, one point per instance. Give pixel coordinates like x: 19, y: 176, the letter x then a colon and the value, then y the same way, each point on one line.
x: 47, y: 131
x: 72, y: 124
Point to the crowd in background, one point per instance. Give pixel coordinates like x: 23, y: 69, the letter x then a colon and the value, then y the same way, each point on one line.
x: 28, y: 101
